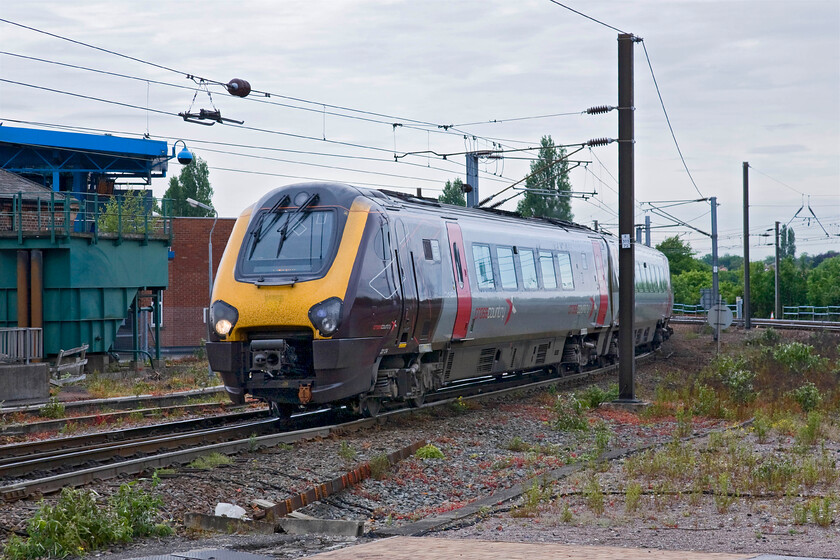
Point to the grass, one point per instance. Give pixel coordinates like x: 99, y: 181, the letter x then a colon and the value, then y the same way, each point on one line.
x: 183, y: 375
x: 211, y: 461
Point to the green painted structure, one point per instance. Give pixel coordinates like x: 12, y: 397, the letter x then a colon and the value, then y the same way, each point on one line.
x: 87, y: 287
x: 75, y: 251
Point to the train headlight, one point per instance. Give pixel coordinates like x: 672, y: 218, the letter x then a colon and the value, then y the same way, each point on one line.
x: 326, y: 316
x: 223, y: 317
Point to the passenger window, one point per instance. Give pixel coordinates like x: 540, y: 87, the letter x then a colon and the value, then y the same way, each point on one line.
x: 483, y: 267
x: 458, y: 266
x: 431, y: 250
x: 507, y: 272
x: 584, y: 261
x: 529, y: 269
x: 567, y: 278
x: 547, y: 269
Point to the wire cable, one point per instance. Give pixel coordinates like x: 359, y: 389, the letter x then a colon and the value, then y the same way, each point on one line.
x: 668, y: 120
x: 586, y: 16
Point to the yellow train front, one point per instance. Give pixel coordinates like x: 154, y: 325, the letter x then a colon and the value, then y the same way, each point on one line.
x: 278, y: 322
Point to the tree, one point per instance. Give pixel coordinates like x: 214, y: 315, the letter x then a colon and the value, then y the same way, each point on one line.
x: 193, y: 182
x: 680, y: 256
x: 547, y: 183
x: 824, y: 283
x: 787, y: 242
x: 453, y: 193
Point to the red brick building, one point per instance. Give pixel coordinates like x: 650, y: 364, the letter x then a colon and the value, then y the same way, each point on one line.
x: 183, y: 327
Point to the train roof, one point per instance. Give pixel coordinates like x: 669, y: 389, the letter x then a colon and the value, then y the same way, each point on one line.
x: 431, y: 203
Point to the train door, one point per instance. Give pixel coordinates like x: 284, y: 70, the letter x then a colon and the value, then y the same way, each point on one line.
x: 462, y: 281
x: 603, y: 285
x: 404, y: 259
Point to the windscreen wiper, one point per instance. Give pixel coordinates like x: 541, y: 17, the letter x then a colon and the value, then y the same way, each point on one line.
x: 260, y: 228
x: 302, y: 211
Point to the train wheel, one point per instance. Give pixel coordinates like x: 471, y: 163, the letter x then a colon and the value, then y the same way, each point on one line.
x: 417, y: 402
x: 370, y: 406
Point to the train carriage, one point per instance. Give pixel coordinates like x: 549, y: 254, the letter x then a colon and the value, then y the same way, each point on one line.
x: 329, y: 293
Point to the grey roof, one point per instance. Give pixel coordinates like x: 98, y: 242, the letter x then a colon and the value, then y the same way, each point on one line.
x: 11, y: 184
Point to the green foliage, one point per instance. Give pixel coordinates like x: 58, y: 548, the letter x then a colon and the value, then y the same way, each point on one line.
x: 568, y: 411
x: 632, y: 496
x: 429, y: 451
x: 130, y: 212
x: 822, y: 511
x: 549, y: 173
x: 517, y: 444
x: 537, y: 493
x: 53, y: 409
x: 77, y: 524
x: 379, y: 466
x: 453, y: 193
x: 824, y: 283
x: 211, y: 461
x: 346, y: 452
x: 193, y: 182
x: 797, y: 357
x: 593, y: 396
x: 808, y: 434
x: 594, y: 496
x: 680, y: 257
x: 807, y: 396
x: 787, y: 242
x: 734, y: 375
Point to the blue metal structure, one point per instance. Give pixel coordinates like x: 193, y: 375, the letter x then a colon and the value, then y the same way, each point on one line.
x: 76, y: 162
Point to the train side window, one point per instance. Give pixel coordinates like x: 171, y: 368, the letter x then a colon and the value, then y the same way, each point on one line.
x: 567, y: 278
x: 507, y: 271
x: 529, y: 269
x: 638, y: 278
x: 547, y: 269
x: 431, y: 250
x: 584, y: 261
x: 483, y: 267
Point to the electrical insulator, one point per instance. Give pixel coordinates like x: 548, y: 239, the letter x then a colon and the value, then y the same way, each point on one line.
x: 599, y: 109
x: 600, y: 142
x: 238, y: 87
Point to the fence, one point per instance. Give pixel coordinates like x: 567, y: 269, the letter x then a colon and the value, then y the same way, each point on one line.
x: 700, y: 311
x: 133, y: 213
x: 812, y: 313
x: 21, y: 345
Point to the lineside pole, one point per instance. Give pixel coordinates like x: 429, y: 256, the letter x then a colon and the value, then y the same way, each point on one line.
x: 626, y: 195
x: 747, y: 320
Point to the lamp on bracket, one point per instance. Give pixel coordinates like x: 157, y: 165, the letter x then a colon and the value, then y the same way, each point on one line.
x: 185, y: 157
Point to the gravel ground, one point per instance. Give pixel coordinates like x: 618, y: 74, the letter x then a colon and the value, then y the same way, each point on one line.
x: 482, y: 445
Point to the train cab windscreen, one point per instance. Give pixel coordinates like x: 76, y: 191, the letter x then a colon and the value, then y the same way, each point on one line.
x: 298, y: 243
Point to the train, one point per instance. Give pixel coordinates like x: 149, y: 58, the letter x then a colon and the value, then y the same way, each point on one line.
x: 333, y: 294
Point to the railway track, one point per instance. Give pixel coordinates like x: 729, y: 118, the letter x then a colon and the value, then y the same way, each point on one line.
x: 786, y: 324
x: 143, y: 451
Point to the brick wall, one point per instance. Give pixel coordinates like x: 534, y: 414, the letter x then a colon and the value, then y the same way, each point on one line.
x: 188, y: 292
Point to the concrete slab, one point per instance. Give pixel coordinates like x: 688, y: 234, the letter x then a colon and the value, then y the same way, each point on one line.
x: 204, y: 522
x: 333, y: 527
x: 24, y: 384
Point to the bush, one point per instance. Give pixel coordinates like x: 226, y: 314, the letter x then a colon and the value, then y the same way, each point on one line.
x: 594, y: 395
x: 797, y: 357
x: 53, y: 409
x: 569, y: 414
x: 77, y: 524
x: 379, y: 466
x: 429, y: 452
x: 129, y: 213
x: 740, y: 385
x: 807, y: 396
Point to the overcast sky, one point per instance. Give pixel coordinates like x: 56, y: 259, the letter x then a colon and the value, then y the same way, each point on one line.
x: 755, y: 81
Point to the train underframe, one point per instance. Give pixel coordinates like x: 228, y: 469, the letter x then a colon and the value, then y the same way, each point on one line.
x: 295, y: 372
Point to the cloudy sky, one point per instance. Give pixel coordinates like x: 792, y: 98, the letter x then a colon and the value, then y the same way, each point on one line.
x: 755, y: 80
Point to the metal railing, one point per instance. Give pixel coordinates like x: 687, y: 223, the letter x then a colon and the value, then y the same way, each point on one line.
x: 130, y: 214
x: 21, y: 345
x: 812, y: 313
x: 699, y: 310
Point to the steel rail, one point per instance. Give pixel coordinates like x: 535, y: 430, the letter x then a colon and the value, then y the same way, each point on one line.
x: 12, y: 452
x: 126, y: 449
x: 54, y: 483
